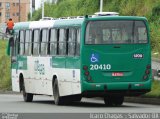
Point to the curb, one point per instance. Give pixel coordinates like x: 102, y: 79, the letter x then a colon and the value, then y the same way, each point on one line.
x: 8, y: 92
x: 143, y: 100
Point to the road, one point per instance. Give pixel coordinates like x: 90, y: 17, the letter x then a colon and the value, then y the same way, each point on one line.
x: 43, y: 104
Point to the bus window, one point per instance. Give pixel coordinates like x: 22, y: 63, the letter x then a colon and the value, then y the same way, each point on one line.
x: 53, y: 42
x: 28, y: 42
x: 44, y: 42
x: 115, y: 32
x: 140, y: 32
x: 14, y: 46
x: 71, y: 42
x: 62, y: 42
x: 21, y: 41
x: 78, y: 42
x: 36, y: 42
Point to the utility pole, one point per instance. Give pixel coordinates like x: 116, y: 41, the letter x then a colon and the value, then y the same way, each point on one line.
x: 101, y: 5
x: 19, y: 11
x: 42, y: 9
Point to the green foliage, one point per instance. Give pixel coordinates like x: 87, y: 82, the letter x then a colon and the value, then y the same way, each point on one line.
x: 5, y: 79
x: 36, y: 15
x: 155, y: 92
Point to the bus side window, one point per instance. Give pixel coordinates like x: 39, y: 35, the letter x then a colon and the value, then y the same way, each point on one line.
x: 28, y: 42
x: 44, y: 41
x: 16, y: 44
x: 78, y: 42
x: 14, y: 53
x: 53, y: 42
x: 21, y: 42
x: 62, y: 42
x: 36, y: 34
x: 71, y: 42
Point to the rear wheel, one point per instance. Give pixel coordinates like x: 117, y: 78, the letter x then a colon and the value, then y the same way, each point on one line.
x: 57, y: 99
x: 118, y: 100
x: 114, y: 100
x: 76, y: 98
x: 28, y: 97
x: 108, y: 101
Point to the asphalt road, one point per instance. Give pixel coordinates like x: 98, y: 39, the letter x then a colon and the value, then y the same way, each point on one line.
x: 13, y: 103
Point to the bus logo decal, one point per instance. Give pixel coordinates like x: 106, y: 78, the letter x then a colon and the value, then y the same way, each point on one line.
x: 94, y: 58
x: 39, y: 67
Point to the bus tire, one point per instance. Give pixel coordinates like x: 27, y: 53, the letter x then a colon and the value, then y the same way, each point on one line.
x: 114, y: 100
x: 57, y: 99
x: 108, y: 101
x: 76, y: 98
x: 28, y: 97
x: 118, y: 100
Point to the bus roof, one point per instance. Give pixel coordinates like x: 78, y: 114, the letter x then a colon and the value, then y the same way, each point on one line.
x: 117, y: 18
x: 21, y: 25
x: 41, y: 24
x: 69, y: 22
x: 48, y: 24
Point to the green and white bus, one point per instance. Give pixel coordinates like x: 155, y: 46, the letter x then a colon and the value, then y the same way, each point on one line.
x: 93, y: 56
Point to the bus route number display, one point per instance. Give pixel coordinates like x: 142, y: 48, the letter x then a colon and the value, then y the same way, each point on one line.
x: 100, y: 67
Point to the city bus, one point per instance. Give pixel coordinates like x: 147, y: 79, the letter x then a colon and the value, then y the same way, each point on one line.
x: 107, y: 56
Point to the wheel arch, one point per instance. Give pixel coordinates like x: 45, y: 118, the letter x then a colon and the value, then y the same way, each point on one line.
x: 53, y: 79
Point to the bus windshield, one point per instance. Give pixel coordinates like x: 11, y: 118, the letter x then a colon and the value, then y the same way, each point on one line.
x: 116, y: 32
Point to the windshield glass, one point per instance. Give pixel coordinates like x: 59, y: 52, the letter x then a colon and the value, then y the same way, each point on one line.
x: 116, y: 32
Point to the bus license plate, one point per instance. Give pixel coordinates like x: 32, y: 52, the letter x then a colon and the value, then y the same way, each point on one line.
x: 117, y: 74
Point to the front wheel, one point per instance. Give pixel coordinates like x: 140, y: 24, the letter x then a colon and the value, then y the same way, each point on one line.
x: 28, y: 97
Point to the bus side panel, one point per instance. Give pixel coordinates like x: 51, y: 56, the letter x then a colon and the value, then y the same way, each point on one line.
x: 68, y: 75
x: 64, y: 81
x: 76, y: 86
x: 67, y: 84
x: 15, y: 80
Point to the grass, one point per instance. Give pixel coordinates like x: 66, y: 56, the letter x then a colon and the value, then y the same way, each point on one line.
x: 5, y: 79
x: 155, y: 92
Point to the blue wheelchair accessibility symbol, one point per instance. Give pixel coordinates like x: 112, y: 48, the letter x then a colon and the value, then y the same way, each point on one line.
x: 94, y: 58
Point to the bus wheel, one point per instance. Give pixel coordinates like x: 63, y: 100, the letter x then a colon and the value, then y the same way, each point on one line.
x: 57, y: 98
x: 114, y: 100
x: 76, y: 98
x: 108, y: 101
x: 118, y: 100
x: 28, y: 97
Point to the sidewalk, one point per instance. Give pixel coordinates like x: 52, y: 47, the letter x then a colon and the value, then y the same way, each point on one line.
x: 143, y: 100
